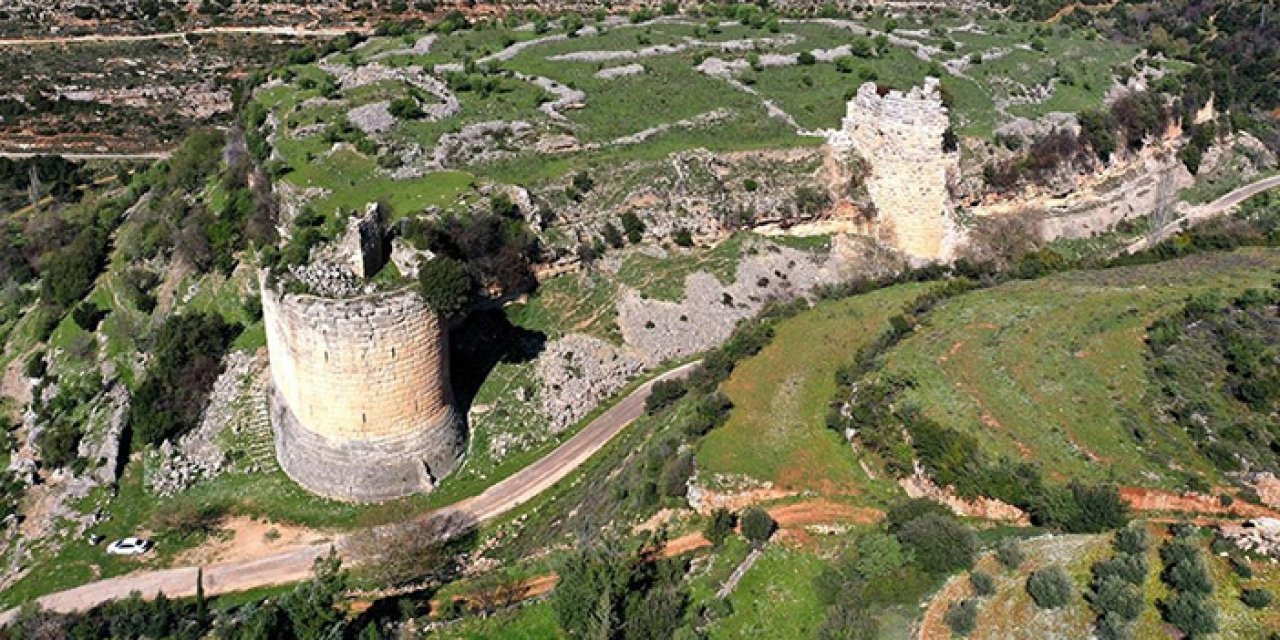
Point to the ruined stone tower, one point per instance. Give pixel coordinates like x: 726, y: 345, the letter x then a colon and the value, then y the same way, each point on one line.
x: 361, y: 404
x: 900, y: 136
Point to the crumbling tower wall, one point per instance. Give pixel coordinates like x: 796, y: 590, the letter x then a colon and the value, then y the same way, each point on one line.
x: 361, y: 403
x: 900, y: 136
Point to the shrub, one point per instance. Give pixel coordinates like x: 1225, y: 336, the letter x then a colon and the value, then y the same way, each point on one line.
x: 683, y: 237
x: 60, y: 444
x: 1132, y: 540
x: 982, y: 582
x: 633, y: 227
x: 719, y: 526
x: 187, y: 358
x: 962, y: 617
x: 1113, y: 627
x: 36, y: 365
x: 1129, y: 568
x: 1191, y: 613
x: 663, y: 394
x: 907, y: 510
x: 611, y: 235
x: 1114, y: 595
x: 87, y: 315
x: 940, y: 544
x: 1010, y: 554
x: 757, y: 525
x: 186, y: 519
x: 805, y: 58
x: 1050, y: 587
x: 676, y: 474
x: 1259, y: 598
x: 880, y: 554
x: 69, y: 274
x: 446, y: 286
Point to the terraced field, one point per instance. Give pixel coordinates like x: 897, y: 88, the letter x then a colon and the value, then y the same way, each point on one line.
x: 1054, y: 370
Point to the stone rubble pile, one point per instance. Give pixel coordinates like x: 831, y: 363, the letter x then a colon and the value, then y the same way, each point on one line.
x: 579, y: 372
x: 1260, y: 535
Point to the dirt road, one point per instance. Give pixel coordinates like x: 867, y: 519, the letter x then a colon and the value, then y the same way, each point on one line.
x: 295, y: 565
x: 299, y: 32
x: 1206, y: 211
x: 20, y: 155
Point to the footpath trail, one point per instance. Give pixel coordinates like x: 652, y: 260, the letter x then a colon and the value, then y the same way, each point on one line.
x: 294, y: 565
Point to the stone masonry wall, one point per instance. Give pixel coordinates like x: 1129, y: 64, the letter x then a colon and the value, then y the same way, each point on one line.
x: 900, y: 137
x: 361, y: 405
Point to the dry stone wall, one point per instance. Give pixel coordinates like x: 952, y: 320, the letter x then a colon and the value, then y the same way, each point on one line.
x: 900, y: 136
x: 361, y: 405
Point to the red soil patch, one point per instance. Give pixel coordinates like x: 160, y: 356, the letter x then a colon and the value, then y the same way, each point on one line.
x: 1142, y: 499
x: 955, y: 348
x: 684, y: 544
x: 932, y: 625
x: 823, y: 511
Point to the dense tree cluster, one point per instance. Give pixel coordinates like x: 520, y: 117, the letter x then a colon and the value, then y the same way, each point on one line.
x: 611, y: 593
x: 1116, y: 591
x: 1218, y: 366
x: 922, y: 543
x: 307, y: 612
x: 186, y: 360
x: 1188, y: 606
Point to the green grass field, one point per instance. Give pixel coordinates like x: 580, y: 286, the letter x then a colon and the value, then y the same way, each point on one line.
x: 776, y: 431
x: 1054, y: 370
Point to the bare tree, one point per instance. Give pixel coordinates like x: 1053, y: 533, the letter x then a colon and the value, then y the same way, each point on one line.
x: 421, y: 549
x: 1003, y: 239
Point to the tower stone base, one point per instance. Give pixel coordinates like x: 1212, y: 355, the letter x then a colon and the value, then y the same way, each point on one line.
x: 365, y: 470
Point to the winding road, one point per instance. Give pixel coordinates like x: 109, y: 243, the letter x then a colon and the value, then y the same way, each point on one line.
x: 294, y: 565
x: 1206, y: 211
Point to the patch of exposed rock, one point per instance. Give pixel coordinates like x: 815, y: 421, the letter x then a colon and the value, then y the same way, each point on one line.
x: 372, y: 118
x: 620, y: 71
x: 920, y: 485
x: 1260, y: 535
x: 578, y: 372
x: 660, y: 330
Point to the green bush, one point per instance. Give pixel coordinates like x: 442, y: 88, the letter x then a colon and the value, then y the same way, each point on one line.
x: 940, y: 544
x: 962, y: 617
x: 1132, y: 540
x: 683, y: 237
x: 982, y: 582
x: 87, y: 315
x: 719, y: 526
x: 36, y: 365
x: 446, y: 286
x: 633, y: 227
x: 757, y: 525
x: 68, y: 274
x: 664, y: 393
x: 1010, y: 554
x: 1113, y: 627
x: 1114, y: 595
x: 1259, y: 598
x: 1191, y: 613
x: 1050, y: 587
x: 186, y: 360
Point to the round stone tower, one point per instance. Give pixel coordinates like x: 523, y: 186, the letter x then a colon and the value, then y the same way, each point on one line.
x: 361, y: 404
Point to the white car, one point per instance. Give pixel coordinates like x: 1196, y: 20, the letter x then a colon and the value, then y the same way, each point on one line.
x: 129, y: 547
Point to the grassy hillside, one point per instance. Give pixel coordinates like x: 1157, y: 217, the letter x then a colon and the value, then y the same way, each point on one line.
x: 1055, y: 370
x: 775, y: 432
